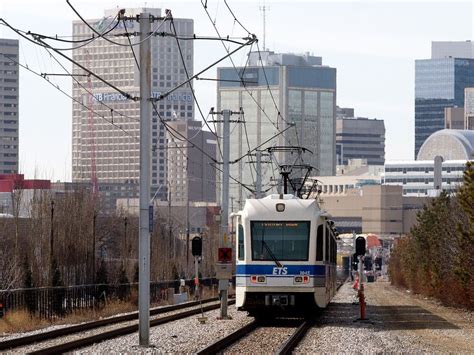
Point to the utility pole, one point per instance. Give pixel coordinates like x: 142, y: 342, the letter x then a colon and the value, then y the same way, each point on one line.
x: 224, y: 242
x: 94, y: 221
x: 170, y: 229
x: 258, y: 182
x: 145, y: 152
x: 51, y: 243
x: 187, y: 215
x: 225, y: 199
x: 125, y: 248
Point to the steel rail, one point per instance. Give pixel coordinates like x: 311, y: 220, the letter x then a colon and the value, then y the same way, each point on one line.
x: 228, y: 340
x: 290, y: 344
x: 40, y: 337
x: 114, y: 333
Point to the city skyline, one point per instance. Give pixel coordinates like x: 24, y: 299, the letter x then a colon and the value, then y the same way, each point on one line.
x: 373, y: 53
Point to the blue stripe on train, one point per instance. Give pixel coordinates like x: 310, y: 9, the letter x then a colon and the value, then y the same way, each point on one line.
x: 313, y: 270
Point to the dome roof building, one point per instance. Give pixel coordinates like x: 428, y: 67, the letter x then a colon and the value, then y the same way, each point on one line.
x: 451, y: 144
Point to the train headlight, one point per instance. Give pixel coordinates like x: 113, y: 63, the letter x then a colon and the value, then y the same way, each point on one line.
x: 305, y: 279
x: 280, y: 207
x: 253, y: 279
x: 298, y: 279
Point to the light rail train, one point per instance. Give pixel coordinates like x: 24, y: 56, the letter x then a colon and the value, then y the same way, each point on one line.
x: 285, y: 255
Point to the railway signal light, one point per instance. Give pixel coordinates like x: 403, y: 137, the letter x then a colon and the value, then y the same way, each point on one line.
x: 196, y: 246
x: 355, y: 262
x: 360, y: 246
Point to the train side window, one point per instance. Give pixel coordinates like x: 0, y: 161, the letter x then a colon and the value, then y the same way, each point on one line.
x: 319, y: 243
x: 326, y: 255
x: 241, y: 242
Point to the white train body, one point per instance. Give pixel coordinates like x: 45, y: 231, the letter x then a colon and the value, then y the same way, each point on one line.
x: 285, y: 255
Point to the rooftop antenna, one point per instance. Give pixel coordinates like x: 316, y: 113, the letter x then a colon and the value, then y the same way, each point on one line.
x: 264, y: 9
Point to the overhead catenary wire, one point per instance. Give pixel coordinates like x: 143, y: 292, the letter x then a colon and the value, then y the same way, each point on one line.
x: 131, y: 46
x: 112, y: 110
x: 69, y: 96
x: 265, y: 76
x: 175, y: 133
x: 169, y: 92
x: 190, y: 84
x: 235, y: 68
x: 40, y: 42
x: 122, y: 12
x: 85, y: 42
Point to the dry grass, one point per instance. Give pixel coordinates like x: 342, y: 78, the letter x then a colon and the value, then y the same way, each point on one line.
x: 21, y: 321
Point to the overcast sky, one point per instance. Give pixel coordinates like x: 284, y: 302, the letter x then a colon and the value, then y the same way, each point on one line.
x: 373, y: 45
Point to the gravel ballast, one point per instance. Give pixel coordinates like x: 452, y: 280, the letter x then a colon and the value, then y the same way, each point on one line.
x: 182, y: 336
x: 397, y: 322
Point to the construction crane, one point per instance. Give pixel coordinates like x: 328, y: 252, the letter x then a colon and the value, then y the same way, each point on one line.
x: 90, y: 104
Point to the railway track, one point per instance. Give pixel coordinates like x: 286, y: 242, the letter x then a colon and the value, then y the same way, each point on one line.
x: 285, y: 348
x: 301, y: 327
x: 89, y: 340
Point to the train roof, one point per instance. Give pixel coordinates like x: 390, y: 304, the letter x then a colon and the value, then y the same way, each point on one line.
x: 266, y: 208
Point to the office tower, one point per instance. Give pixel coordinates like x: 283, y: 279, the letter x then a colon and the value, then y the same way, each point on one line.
x: 439, y: 83
x: 360, y: 138
x: 116, y: 146
x: 455, y: 49
x: 9, y: 98
x: 298, y: 87
x: 190, y: 173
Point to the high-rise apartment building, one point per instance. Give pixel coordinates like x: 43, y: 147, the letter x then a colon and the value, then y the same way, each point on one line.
x: 116, y: 146
x: 190, y: 173
x: 279, y: 89
x: 440, y: 83
x: 360, y: 138
x: 9, y: 98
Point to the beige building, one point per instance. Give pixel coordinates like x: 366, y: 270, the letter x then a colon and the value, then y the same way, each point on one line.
x: 109, y: 135
x: 378, y: 209
x: 190, y: 173
x: 454, y: 117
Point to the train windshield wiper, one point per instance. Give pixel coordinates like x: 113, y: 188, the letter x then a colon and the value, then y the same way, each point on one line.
x: 267, y: 248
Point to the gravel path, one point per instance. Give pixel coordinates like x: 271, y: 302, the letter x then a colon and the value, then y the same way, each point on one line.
x: 398, y: 323
x: 181, y: 336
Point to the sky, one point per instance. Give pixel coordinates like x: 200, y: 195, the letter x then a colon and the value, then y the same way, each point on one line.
x: 372, y: 44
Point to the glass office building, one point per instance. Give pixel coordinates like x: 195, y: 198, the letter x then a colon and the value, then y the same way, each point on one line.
x: 301, y: 91
x: 439, y: 83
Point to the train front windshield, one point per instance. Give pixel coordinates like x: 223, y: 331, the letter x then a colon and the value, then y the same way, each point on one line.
x: 280, y: 241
